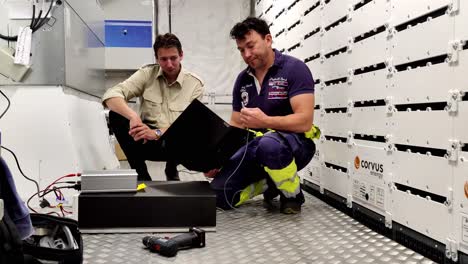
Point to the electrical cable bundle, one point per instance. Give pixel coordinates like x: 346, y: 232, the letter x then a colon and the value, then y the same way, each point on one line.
x: 36, y: 23
x: 50, y: 188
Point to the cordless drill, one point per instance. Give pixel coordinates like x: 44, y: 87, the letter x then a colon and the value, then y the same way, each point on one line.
x: 169, y: 246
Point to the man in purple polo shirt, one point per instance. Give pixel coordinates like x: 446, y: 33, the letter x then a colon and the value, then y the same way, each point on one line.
x: 274, y: 96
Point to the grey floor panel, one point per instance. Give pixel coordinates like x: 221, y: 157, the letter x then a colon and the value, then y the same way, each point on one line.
x: 320, y: 234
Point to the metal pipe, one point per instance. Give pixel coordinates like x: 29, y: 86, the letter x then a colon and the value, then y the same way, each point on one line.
x: 155, y: 19
x: 170, y: 16
x: 252, y: 8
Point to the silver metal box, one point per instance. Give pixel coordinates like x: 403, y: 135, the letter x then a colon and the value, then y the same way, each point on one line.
x: 109, y: 181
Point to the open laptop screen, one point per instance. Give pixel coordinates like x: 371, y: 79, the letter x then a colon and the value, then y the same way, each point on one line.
x: 200, y: 140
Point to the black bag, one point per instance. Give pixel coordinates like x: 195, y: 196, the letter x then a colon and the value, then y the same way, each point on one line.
x: 11, y: 248
x: 55, y: 239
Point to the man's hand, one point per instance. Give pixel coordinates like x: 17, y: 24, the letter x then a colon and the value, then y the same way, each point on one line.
x: 142, y: 132
x: 135, y: 121
x: 212, y: 173
x: 253, y: 118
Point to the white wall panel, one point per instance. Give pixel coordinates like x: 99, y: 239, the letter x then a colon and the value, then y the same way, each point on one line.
x: 404, y: 10
x: 334, y: 10
x: 278, y: 7
x: 300, y: 52
x: 461, y: 30
x: 303, y: 5
x: 267, y: 3
x: 337, y: 153
x: 336, y: 38
x: 370, y: 121
x: 317, y: 69
x: 335, y: 181
x: 314, y: 18
x: 311, y: 45
x: 296, y: 53
x: 313, y: 173
x: 259, y: 8
x: 354, y: 2
x: 460, y: 123
x: 369, y: 86
x: 302, y: 29
x: 369, y: 17
x: 268, y: 13
x: 337, y: 95
x: 423, y: 128
x: 298, y: 32
x: 318, y: 118
x: 459, y: 80
x: 427, y: 217
x: 425, y: 84
x: 318, y: 94
x: 276, y: 27
x: 428, y: 173
x: 336, y: 66
x: 295, y: 13
x: 282, y: 22
x: 369, y: 51
x: 337, y: 124
x: 280, y: 41
x: 418, y: 42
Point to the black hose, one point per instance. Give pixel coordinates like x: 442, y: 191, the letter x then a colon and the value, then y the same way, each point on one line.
x: 37, y: 23
x: 8, y: 105
x: 37, y: 20
x: 33, y: 18
x: 42, y: 22
x: 8, y: 38
x: 19, y: 168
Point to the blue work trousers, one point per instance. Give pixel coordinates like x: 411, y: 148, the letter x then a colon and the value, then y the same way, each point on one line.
x: 275, y: 150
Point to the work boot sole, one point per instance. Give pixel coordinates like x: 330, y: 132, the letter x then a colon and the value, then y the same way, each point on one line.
x: 270, y: 205
x: 290, y: 210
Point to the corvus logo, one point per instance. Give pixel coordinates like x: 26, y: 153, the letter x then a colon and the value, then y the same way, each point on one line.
x: 372, y: 166
x: 357, y: 162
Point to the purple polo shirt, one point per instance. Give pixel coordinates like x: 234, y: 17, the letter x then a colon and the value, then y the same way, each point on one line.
x: 287, y: 78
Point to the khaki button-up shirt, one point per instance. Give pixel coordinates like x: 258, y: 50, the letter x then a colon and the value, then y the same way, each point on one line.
x: 161, y: 103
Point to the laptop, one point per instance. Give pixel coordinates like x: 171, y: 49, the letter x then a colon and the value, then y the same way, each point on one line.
x: 200, y: 140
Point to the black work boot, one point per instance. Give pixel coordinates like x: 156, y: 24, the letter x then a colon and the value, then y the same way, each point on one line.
x: 292, y: 205
x: 171, y: 172
x: 271, y: 193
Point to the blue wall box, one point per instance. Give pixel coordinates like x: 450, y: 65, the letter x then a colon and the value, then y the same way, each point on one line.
x: 128, y: 33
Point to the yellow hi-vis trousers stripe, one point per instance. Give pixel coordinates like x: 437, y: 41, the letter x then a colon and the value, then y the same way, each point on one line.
x: 286, y: 179
x: 251, y: 191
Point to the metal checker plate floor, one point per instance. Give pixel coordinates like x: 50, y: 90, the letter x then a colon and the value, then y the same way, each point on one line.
x: 320, y: 234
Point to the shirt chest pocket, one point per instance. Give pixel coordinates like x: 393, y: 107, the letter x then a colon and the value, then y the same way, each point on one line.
x: 177, y: 108
x: 152, y: 106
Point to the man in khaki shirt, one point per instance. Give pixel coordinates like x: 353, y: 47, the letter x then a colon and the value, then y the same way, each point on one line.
x: 165, y: 90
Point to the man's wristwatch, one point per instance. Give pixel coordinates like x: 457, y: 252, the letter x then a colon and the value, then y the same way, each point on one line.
x: 158, y: 133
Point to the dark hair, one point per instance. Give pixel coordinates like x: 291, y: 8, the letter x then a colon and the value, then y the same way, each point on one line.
x: 167, y: 40
x: 239, y: 30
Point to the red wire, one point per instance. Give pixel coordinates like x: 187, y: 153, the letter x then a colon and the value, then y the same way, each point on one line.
x: 60, y: 192
x: 66, y: 176
x: 68, y: 212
